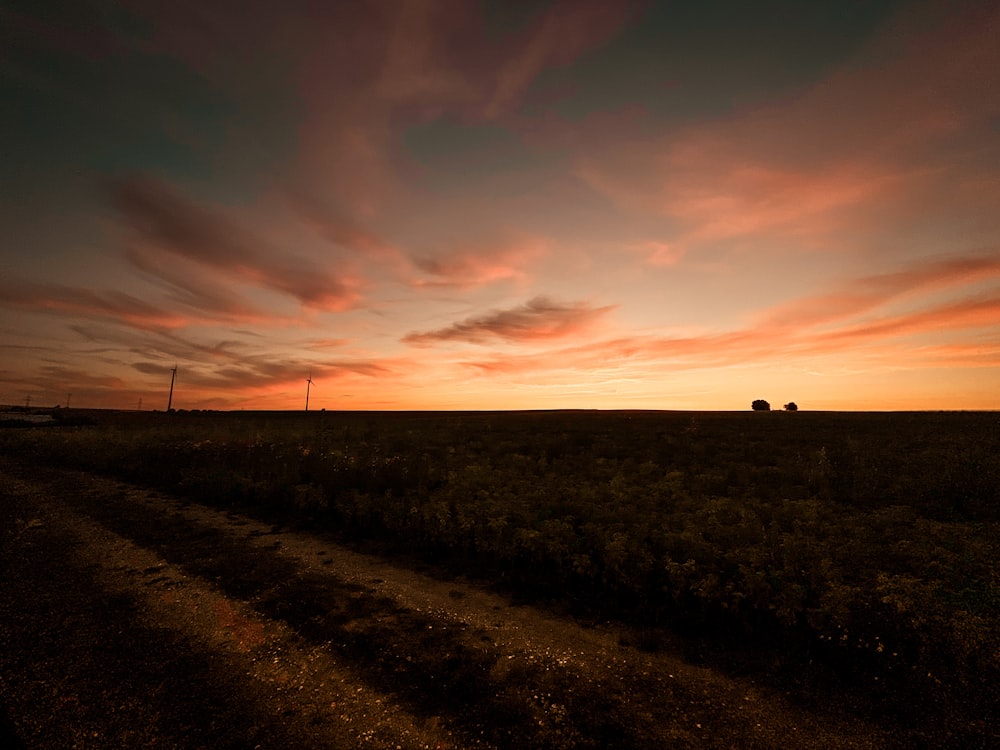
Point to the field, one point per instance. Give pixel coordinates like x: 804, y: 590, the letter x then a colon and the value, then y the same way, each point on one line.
x: 842, y: 559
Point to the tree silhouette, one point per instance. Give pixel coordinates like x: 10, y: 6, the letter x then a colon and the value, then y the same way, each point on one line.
x: 791, y: 406
x: 760, y: 405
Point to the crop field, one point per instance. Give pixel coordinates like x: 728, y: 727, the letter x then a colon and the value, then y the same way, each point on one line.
x: 847, y: 556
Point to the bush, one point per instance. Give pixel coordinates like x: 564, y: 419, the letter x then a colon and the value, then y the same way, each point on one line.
x: 760, y: 405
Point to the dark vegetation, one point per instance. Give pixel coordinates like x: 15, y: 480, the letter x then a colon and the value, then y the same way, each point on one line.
x: 838, y: 554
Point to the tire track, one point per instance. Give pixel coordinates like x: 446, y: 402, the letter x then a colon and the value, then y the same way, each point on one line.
x: 438, y: 663
x: 105, y: 645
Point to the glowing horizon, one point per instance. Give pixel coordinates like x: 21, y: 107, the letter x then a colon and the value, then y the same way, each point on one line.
x: 446, y: 205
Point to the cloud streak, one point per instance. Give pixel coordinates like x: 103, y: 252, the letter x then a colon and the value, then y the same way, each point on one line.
x: 866, y: 293
x: 844, y: 327
x: 163, y: 221
x: 539, y: 319
x: 66, y: 300
x: 469, y: 266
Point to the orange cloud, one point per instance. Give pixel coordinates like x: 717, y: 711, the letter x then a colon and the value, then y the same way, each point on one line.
x: 980, y: 312
x: 817, y: 326
x: 186, y: 284
x: 539, y: 319
x: 864, y: 294
x: 342, y: 230
x: 978, y: 354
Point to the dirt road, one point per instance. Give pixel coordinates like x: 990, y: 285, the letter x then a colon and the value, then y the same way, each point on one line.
x: 131, y: 619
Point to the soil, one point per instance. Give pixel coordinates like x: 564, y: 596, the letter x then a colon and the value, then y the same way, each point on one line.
x: 133, y: 619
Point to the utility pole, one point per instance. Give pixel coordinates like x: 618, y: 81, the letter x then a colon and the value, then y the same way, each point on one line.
x: 309, y: 382
x: 68, y: 397
x: 170, y: 399
x: 27, y: 402
x: 140, y: 404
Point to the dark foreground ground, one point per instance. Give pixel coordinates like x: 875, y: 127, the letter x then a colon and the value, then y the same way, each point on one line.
x: 132, y: 619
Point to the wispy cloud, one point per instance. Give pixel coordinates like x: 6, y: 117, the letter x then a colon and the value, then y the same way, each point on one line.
x: 187, y: 285
x: 471, y: 266
x: 539, y: 319
x: 858, y: 326
x: 871, y: 143
x: 858, y: 296
x: 309, y: 189
x: 67, y: 300
x: 978, y: 312
x: 162, y: 220
x: 56, y: 377
x: 659, y: 253
x: 250, y: 374
x: 563, y: 32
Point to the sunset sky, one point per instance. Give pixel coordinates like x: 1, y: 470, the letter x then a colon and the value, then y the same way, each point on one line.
x: 428, y: 204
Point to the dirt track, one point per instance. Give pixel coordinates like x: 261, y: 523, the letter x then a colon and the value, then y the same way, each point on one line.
x: 130, y: 619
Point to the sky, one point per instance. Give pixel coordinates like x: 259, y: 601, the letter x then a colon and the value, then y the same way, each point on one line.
x: 449, y: 204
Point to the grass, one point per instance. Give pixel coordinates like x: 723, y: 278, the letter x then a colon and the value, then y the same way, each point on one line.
x: 853, y: 551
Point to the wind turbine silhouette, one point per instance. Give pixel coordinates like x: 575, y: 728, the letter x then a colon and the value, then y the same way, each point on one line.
x: 170, y: 398
x: 309, y: 382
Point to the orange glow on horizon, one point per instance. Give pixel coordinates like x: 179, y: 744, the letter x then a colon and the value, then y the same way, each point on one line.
x: 445, y: 207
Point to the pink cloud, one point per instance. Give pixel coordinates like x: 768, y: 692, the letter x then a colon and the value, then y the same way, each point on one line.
x: 429, y: 58
x: 357, y: 75
x: 716, y: 194
x: 343, y: 231
x: 187, y: 284
x: 61, y: 299
x: 540, y: 319
x: 163, y: 221
x: 469, y: 266
x: 372, y: 70
x: 866, y: 146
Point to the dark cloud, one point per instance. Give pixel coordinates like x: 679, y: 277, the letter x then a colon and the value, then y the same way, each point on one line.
x: 58, y: 298
x: 55, y: 377
x: 151, y: 368
x: 243, y: 374
x: 193, y: 290
x: 538, y: 319
x: 168, y: 222
x: 163, y: 216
